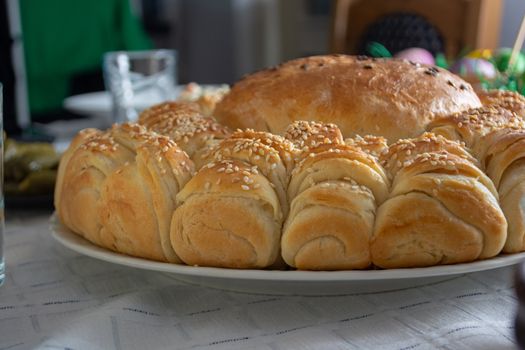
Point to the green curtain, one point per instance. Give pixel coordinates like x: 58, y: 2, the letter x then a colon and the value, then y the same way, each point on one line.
x: 65, y: 37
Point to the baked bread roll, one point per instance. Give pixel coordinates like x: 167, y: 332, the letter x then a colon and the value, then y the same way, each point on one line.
x: 504, y: 158
x: 363, y: 96
x: 286, y: 149
x: 185, y: 124
x: 496, y: 137
x: 471, y: 125
x: 334, y: 191
x: 373, y: 145
x: 229, y: 215
x: 206, y: 97
x: 307, y: 134
x: 510, y: 100
x: 442, y: 209
x: 79, y: 139
x: 264, y: 151
x: 117, y: 189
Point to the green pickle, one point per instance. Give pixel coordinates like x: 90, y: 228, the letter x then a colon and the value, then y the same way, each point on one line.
x: 38, y: 182
x: 29, y: 168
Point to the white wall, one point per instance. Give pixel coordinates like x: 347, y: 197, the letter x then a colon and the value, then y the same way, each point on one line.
x: 513, y: 12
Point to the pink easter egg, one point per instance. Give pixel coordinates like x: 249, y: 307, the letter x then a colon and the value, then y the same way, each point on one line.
x: 416, y: 54
x: 474, y: 68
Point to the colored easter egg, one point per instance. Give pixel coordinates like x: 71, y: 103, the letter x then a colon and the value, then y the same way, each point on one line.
x: 480, y: 53
x: 474, y: 69
x: 416, y: 54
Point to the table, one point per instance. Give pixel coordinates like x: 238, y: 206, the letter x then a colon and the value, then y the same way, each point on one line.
x: 54, y: 298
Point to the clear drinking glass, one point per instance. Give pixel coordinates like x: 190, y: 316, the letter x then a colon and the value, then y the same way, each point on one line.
x: 139, y: 79
x: 2, y: 217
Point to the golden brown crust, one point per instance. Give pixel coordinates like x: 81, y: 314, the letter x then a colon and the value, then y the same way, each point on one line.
x: 205, y: 97
x: 373, y: 145
x: 512, y: 192
x: 305, y: 134
x: 256, y: 153
x: 442, y: 209
x: 401, y: 153
x: 407, y: 236
x: 77, y: 141
x: 504, y: 154
x: 339, y: 162
x: 391, y: 98
x: 118, y: 190
x: 471, y: 125
x: 334, y: 191
x: 329, y: 227
x: 510, y: 100
x: 185, y: 124
x: 287, y: 150
x: 504, y: 147
x: 229, y: 216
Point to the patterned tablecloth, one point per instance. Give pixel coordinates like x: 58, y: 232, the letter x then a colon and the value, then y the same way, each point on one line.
x: 54, y: 298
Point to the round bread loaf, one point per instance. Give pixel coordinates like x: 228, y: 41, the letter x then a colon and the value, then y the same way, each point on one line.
x: 391, y: 98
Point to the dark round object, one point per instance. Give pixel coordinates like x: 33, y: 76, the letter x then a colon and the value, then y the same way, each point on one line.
x: 520, y: 330
x: 399, y: 31
x: 520, y: 282
x: 520, y: 317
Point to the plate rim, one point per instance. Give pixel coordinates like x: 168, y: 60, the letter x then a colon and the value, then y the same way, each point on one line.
x: 71, y: 103
x: 75, y: 242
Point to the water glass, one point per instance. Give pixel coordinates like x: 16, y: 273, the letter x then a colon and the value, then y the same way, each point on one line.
x: 2, y: 217
x: 139, y: 79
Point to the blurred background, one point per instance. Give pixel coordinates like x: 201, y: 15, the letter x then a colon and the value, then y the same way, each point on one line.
x: 51, y: 50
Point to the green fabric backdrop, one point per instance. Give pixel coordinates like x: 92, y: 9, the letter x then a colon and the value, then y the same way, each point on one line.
x: 66, y: 37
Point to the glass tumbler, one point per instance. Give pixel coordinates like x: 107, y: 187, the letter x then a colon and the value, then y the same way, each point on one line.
x: 138, y: 79
x: 2, y: 217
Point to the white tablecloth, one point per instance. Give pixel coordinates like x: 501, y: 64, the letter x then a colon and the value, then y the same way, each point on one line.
x: 54, y: 298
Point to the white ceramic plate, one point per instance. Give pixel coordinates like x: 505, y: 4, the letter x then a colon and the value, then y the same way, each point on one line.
x: 93, y: 103
x: 287, y: 282
x: 99, y: 104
